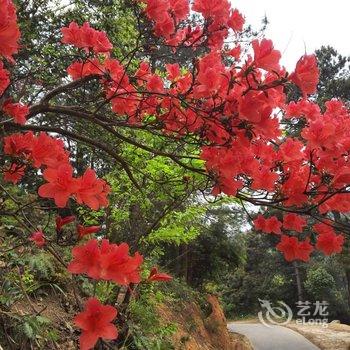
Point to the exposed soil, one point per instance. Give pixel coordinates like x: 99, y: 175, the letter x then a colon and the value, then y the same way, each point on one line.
x: 59, y: 311
x: 195, y: 332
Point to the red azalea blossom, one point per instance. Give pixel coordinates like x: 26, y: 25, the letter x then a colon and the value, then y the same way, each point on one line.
x: 214, y: 8
x: 86, y: 37
x: 96, y: 322
x: 304, y: 250
x: 61, y: 185
x: 17, y: 111
x: 78, y: 70
x: 322, y: 228
x: 48, y: 151
x: 117, y: 265
x: 156, y: 9
x: 60, y: 222
x: 236, y: 21
x: 294, y: 222
x: 15, y: 173
x: 180, y: 8
x: 108, y: 261
x: 19, y: 144
x: 9, y: 31
x: 293, y: 249
x: 92, y: 191
x: 330, y: 243
x: 235, y: 52
x: 38, y: 238
x: 4, y: 78
x: 83, y: 231
x: 173, y: 71
x: 265, y: 56
x: 158, y: 276
x: 306, y: 74
x: 86, y: 259
x: 289, y: 247
x: 270, y: 225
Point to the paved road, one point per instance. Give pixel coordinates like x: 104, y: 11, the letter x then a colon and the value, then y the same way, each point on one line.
x: 272, y: 338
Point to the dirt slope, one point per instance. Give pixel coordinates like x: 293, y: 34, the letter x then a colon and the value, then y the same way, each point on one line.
x: 195, y: 332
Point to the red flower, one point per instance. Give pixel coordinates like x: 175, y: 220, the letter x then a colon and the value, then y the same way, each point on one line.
x: 329, y: 242
x: 78, y: 70
x: 165, y: 27
x: 109, y: 262
x: 235, y: 52
x: 304, y: 250
x: 83, y: 231
x: 180, y: 8
x: 60, y: 222
x: 49, y: 151
x: 17, y: 111
x: 96, y: 322
x: 86, y: 259
x: 86, y: 37
x: 236, y: 21
x: 15, y: 173
x: 254, y: 107
x: 155, y: 84
x: 117, y: 265
x: 214, y: 8
x: 18, y: 144
x: 265, y: 56
x: 143, y: 72
x: 157, y: 276
x: 60, y: 186
x: 293, y: 249
x: 4, y: 78
x: 306, y: 74
x: 259, y: 223
x: 92, y: 191
x: 173, y: 71
x: 322, y: 228
x: 38, y: 238
x: 9, y: 32
x: 270, y: 225
x: 156, y: 9
x: 294, y: 222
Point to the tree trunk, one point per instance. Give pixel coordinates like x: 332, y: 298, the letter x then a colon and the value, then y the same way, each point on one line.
x: 347, y: 274
x: 298, y: 280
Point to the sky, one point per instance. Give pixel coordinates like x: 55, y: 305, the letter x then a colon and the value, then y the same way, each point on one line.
x: 299, y: 25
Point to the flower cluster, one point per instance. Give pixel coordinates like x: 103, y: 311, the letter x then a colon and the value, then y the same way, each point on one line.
x: 4, y: 78
x: 17, y: 111
x: 9, y: 38
x: 327, y: 240
x: 107, y: 261
x: 293, y: 249
x: 87, y: 38
x: 96, y: 322
x: 9, y: 31
x: 44, y: 151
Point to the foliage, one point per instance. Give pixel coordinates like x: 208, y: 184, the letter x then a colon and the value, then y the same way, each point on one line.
x: 148, y: 332
x: 319, y: 282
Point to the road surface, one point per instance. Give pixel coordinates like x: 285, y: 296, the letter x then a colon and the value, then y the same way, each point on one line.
x: 272, y: 338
